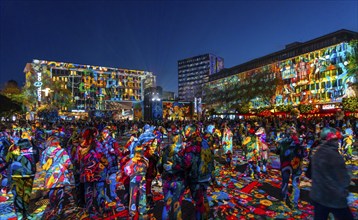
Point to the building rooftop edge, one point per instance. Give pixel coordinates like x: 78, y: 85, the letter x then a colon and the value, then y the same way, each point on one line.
x: 189, y: 58
x: 220, y: 74
x: 84, y: 66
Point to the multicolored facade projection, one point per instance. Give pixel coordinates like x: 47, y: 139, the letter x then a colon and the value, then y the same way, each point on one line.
x: 318, y: 77
x: 89, y: 87
x: 176, y: 110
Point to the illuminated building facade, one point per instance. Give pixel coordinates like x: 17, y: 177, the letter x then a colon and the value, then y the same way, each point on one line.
x: 194, y: 72
x: 317, y: 72
x: 90, y: 87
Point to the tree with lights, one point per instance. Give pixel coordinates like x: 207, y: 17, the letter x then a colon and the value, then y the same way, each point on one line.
x: 44, y: 94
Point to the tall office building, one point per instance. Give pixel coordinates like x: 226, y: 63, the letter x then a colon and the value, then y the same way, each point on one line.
x: 194, y: 72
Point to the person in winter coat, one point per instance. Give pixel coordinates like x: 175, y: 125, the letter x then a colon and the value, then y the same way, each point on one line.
x: 208, y: 137
x: 198, y: 160
x: 227, y: 145
x: 73, y: 151
x: 112, y: 153
x: 252, y: 153
x: 22, y: 158
x: 136, y: 169
x: 263, y: 146
x: 58, y: 167
x: 173, y: 177
x: 330, y: 179
x: 291, y: 156
x: 93, y: 172
x: 152, y: 155
x: 4, y: 147
x: 148, y: 141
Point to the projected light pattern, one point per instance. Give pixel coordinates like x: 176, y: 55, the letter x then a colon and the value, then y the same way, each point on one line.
x: 92, y: 86
x: 319, y: 76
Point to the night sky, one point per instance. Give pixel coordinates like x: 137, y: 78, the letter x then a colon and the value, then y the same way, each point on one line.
x: 153, y: 36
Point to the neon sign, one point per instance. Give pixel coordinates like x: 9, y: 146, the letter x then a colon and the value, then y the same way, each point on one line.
x: 38, y: 84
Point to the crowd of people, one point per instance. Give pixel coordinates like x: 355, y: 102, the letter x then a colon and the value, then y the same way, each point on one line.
x: 107, y: 175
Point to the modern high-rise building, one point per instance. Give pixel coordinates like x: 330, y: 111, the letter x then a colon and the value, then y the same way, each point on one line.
x: 314, y: 76
x: 86, y: 87
x: 193, y: 72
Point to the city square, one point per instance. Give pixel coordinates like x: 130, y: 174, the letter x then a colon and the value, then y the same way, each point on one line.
x: 178, y: 110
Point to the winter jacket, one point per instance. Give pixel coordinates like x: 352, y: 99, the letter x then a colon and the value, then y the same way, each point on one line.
x: 58, y: 167
x: 291, y: 154
x: 168, y: 164
x: 93, y: 164
x: 330, y: 179
x: 22, y: 158
x: 198, y: 159
x: 111, y: 152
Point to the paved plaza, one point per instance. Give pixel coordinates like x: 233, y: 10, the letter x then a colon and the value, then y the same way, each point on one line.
x: 235, y: 196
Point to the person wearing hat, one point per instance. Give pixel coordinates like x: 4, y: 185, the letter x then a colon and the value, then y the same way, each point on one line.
x: 148, y: 142
x: 173, y: 177
x: 330, y: 179
x: 58, y: 168
x: 263, y: 149
x: 22, y: 158
x: 291, y: 156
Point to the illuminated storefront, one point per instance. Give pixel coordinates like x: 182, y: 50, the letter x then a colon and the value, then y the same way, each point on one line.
x: 82, y: 88
x: 316, y: 73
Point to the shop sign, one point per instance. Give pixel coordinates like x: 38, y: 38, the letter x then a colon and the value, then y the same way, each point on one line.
x: 76, y: 110
x: 327, y: 107
x: 38, y: 84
